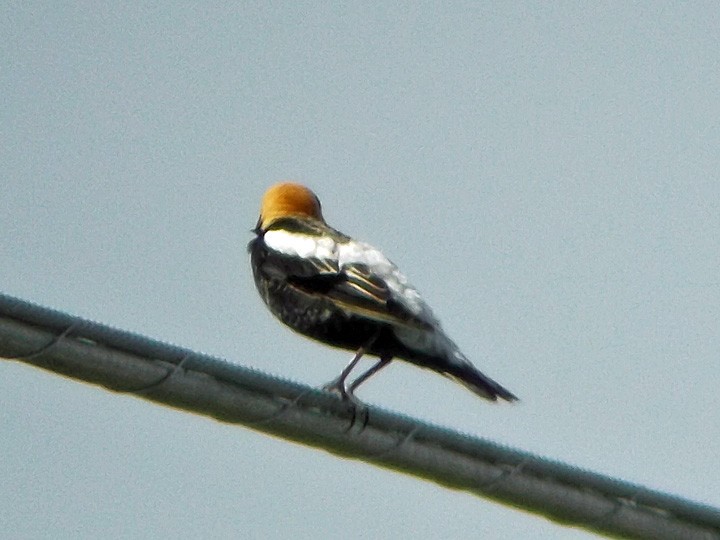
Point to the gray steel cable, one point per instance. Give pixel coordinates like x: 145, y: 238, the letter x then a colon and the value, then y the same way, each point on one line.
x: 126, y: 362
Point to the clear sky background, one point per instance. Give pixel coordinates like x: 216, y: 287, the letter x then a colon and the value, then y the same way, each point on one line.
x: 546, y: 175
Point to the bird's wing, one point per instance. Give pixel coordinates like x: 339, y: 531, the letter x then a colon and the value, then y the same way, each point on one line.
x: 354, y: 290
x: 355, y: 277
x: 371, y: 294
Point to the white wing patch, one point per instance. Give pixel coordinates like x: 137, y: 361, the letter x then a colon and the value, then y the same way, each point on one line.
x: 304, y: 246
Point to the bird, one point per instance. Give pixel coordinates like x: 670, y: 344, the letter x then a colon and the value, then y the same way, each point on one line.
x: 345, y: 293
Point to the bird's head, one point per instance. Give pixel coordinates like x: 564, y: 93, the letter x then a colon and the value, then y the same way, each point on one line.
x: 287, y: 199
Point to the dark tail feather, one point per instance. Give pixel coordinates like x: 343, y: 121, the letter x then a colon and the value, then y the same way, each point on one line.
x: 479, y: 383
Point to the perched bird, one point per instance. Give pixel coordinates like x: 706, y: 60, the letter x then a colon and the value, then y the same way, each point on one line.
x: 327, y: 286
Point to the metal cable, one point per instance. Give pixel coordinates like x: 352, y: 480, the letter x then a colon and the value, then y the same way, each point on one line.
x: 126, y: 362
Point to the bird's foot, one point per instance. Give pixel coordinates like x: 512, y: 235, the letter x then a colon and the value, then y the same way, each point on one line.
x: 337, y: 387
x: 357, y: 408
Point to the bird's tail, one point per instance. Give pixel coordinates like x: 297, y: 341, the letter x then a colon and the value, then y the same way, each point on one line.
x: 479, y: 383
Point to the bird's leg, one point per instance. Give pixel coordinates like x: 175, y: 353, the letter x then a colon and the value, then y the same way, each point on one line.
x: 384, y: 361
x: 338, y: 385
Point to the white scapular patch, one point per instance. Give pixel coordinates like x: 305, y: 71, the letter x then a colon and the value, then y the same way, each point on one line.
x: 301, y: 245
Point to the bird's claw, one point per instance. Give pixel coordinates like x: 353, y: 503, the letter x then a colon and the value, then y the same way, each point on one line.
x: 356, y: 407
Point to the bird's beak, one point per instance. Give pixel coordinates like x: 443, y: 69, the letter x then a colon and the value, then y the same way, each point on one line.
x: 257, y: 230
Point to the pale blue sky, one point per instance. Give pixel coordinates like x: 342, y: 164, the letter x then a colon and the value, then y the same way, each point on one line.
x: 546, y: 175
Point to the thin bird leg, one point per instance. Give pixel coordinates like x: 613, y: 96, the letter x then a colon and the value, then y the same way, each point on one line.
x: 384, y: 361
x: 338, y: 384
